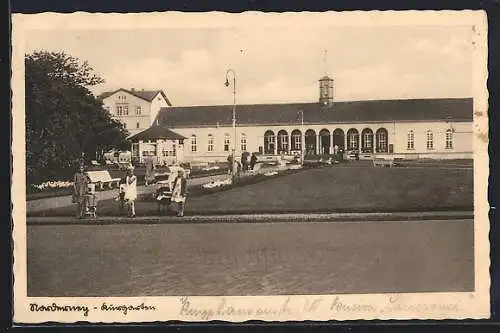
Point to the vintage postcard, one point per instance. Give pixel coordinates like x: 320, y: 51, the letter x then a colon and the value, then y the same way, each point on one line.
x: 254, y: 166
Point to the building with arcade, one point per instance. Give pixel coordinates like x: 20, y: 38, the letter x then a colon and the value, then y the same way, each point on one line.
x: 438, y: 128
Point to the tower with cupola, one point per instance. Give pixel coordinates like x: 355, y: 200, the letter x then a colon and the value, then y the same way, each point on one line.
x: 326, y: 86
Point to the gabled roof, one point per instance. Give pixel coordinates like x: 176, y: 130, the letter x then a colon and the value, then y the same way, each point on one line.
x: 458, y: 109
x: 156, y: 132
x: 147, y: 95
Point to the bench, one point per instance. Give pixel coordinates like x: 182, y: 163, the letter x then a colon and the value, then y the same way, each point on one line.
x: 101, y: 178
x: 382, y: 162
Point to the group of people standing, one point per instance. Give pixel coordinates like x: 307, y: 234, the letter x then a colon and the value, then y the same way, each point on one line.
x: 126, y: 197
x: 243, y: 165
x: 127, y: 194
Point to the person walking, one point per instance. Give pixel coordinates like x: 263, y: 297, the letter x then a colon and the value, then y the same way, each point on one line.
x: 179, y: 192
x: 80, y: 188
x: 131, y: 191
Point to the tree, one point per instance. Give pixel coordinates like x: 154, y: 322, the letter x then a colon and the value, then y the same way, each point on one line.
x: 63, y: 118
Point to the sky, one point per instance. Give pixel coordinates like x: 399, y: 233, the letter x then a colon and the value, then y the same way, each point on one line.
x: 272, y: 64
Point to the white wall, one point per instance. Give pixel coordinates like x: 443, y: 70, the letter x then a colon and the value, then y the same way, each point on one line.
x: 397, y: 135
x: 132, y: 119
x: 462, y: 139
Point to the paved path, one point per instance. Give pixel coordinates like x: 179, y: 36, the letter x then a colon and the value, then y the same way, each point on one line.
x: 64, y: 201
x: 250, y: 259
x: 255, y: 218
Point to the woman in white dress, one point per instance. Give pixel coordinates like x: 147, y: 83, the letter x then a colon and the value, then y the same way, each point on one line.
x: 131, y: 190
x: 179, y: 192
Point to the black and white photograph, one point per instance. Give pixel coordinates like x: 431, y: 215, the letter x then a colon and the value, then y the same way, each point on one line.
x: 216, y: 166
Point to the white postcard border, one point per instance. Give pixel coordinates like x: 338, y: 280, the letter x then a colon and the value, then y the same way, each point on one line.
x: 474, y: 305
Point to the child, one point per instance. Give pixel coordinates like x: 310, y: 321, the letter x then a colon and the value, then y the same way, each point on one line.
x: 121, y: 193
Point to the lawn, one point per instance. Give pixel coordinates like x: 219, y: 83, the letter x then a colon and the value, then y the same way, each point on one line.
x: 330, y: 189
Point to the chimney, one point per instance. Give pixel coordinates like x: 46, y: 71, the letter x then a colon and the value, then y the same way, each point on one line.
x: 132, y: 89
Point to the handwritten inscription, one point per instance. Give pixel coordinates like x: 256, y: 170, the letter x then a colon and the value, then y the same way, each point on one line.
x: 84, y: 309
x: 125, y: 308
x: 54, y: 307
x: 338, y: 306
x: 224, y: 308
x: 227, y: 308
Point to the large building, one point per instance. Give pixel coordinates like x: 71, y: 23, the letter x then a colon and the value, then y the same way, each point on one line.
x: 405, y: 128
x: 135, y: 109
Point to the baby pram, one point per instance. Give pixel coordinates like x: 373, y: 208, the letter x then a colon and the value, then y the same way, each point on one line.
x: 90, y: 202
x: 163, y: 195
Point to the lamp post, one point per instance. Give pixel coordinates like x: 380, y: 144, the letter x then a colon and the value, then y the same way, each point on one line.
x: 302, y: 134
x: 233, y: 166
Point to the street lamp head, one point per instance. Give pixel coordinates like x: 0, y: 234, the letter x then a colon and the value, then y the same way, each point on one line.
x: 226, y: 83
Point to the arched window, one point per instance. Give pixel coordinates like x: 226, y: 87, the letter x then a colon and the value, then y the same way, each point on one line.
x: 282, y: 141
x: 243, y: 142
x: 352, y: 139
x: 338, y: 138
x: 449, y: 139
x: 210, y: 142
x: 430, y: 140
x: 382, y: 136
x: 367, y: 140
x: 193, y: 143
x: 410, y: 144
x: 226, y: 142
x: 310, y: 142
x: 269, y: 142
x: 296, y: 140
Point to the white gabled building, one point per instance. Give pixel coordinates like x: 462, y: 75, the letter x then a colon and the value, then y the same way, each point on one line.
x: 136, y: 109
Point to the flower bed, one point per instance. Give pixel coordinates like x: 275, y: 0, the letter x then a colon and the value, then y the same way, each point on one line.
x: 244, y: 179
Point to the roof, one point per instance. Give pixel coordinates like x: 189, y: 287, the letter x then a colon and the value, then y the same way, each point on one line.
x: 156, y: 132
x: 147, y: 95
x: 458, y: 109
x: 326, y: 78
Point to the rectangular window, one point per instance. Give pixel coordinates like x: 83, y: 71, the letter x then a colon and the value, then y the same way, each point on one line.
x: 411, y: 140
x: 243, y: 142
x: 430, y: 140
x: 449, y: 139
x: 138, y: 110
x: 226, y: 142
x: 193, y: 143
x: 125, y: 110
x: 119, y: 110
x: 210, y: 143
x: 138, y: 125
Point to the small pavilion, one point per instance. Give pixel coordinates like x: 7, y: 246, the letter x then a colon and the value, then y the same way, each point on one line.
x: 166, y: 147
